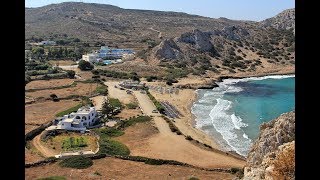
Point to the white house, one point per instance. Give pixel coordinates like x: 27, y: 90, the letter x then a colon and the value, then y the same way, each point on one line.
x: 47, y: 43
x: 90, y: 57
x: 78, y: 121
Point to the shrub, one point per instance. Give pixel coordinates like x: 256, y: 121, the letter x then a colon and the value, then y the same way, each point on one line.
x: 97, y: 173
x: 115, y: 103
x: 151, y: 78
x: 85, y: 65
x: 135, y: 120
x: 132, y: 105
x: 193, y: 178
x: 154, y: 162
x: 78, y: 162
x: 158, y: 105
x: 189, y: 138
x: 111, y: 132
x: 54, y: 97
x: 103, y: 90
x: 112, y: 147
x: 71, y: 74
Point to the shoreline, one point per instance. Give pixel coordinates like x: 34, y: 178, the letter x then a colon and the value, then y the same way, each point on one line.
x: 220, y: 79
x: 188, y: 96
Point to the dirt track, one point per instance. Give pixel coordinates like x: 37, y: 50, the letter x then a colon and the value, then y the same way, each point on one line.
x: 44, y: 150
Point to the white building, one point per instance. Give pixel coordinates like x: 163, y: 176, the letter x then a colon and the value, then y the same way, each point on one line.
x: 78, y: 121
x: 90, y: 57
x: 47, y: 43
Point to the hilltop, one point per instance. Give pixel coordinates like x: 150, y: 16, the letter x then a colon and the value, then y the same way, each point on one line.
x: 170, y: 41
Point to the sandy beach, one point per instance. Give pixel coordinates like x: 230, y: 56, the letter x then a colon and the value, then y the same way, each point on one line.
x: 186, y: 97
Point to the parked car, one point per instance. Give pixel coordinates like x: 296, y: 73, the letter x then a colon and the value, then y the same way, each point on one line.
x: 154, y: 111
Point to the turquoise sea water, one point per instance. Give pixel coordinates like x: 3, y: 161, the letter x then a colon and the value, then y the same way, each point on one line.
x: 233, y: 112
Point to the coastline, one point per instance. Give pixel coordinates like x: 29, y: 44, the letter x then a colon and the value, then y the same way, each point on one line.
x: 187, y: 96
x: 220, y: 79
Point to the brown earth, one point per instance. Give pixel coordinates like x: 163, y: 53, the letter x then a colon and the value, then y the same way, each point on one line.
x: 62, y: 62
x: 39, y: 113
x: 127, y: 113
x: 80, y: 89
x: 48, y: 83
x: 111, y: 168
x: 168, y: 145
x: 139, y: 66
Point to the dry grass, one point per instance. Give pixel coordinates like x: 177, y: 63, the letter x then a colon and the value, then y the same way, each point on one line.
x: 284, y: 163
x: 127, y: 113
x: 139, y: 66
x: 62, y: 62
x: 39, y: 113
x: 48, y: 83
x: 80, y: 89
x: 111, y: 168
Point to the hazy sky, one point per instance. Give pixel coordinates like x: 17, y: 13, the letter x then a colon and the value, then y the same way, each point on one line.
x: 255, y: 10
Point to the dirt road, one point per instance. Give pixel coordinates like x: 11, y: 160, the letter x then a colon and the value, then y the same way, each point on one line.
x: 43, y: 150
x: 168, y: 145
x: 117, y: 93
x: 145, y: 104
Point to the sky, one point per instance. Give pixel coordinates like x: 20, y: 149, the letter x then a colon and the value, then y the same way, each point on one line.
x: 255, y: 10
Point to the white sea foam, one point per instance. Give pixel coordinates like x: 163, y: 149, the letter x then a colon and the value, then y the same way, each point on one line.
x: 233, y: 81
x: 237, y: 122
x: 228, y: 125
x: 245, y: 136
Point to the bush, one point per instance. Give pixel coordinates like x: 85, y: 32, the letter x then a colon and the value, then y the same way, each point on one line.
x: 132, y: 105
x: 111, y: 132
x: 151, y: 78
x: 103, y: 90
x: 158, y: 105
x: 85, y: 65
x: 112, y: 147
x: 115, y: 103
x: 189, y: 138
x: 54, y: 97
x: 71, y: 74
x: 135, y: 120
x: 193, y: 178
x: 78, y: 162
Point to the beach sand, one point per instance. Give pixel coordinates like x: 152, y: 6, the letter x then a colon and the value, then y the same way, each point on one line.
x: 186, y: 97
x: 183, y: 102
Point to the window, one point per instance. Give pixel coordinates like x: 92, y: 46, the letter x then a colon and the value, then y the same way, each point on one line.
x: 84, y: 124
x: 62, y: 124
x: 78, y: 117
x: 83, y: 117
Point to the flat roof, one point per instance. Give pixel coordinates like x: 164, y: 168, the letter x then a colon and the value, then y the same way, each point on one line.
x: 68, y: 120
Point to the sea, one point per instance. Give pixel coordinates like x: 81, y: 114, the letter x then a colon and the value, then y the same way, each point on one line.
x: 233, y: 112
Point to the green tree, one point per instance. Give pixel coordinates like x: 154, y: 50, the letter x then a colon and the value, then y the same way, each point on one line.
x: 106, y: 108
x: 37, y: 52
x: 85, y: 65
x: 71, y: 74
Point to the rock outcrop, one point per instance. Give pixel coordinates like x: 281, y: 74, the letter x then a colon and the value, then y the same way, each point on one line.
x: 284, y: 20
x: 272, y: 154
x: 167, y: 49
x: 200, y: 40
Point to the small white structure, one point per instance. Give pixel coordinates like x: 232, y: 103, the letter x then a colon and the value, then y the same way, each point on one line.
x: 78, y: 121
x: 52, y: 43
x: 90, y: 57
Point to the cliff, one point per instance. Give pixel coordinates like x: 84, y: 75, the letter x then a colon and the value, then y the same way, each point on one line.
x: 272, y: 154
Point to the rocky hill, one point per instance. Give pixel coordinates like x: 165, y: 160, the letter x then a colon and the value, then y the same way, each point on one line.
x: 182, y: 42
x: 272, y: 154
x: 284, y: 20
